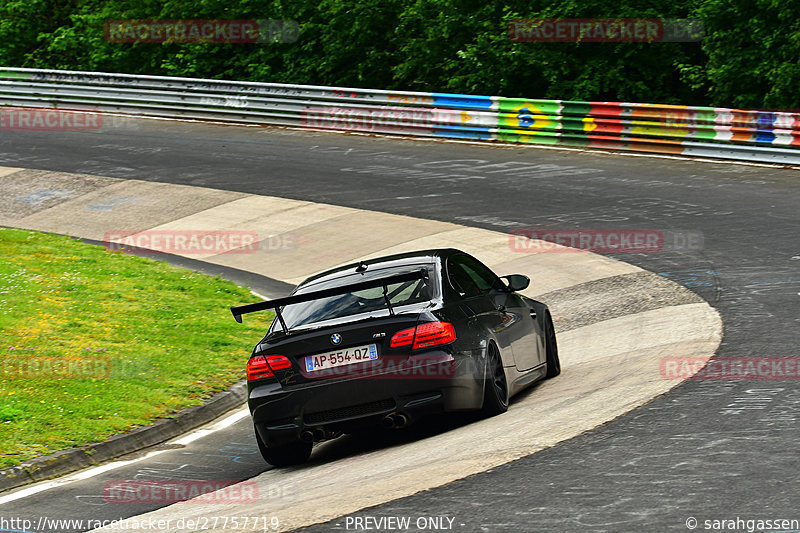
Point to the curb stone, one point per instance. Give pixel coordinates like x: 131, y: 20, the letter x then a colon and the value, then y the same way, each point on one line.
x: 66, y: 461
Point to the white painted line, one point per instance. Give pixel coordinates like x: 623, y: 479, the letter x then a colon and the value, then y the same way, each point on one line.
x: 222, y: 424
x: 97, y: 470
x: 434, y: 195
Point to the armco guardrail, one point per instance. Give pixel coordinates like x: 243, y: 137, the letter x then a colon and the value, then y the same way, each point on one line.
x: 749, y: 135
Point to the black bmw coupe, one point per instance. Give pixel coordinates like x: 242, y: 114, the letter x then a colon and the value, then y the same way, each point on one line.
x: 386, y: 341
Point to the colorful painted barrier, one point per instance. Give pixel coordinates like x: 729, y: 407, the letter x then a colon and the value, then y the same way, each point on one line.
x: 748, y: 135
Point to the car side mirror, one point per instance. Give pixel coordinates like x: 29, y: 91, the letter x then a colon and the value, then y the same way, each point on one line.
x: 516, y: 282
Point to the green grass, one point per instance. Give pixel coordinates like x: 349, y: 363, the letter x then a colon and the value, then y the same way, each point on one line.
x: 95, y: 343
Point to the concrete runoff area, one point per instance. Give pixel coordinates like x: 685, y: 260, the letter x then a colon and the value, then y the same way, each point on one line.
x: 611, y: 364
x: 102, y: 211
x: 608, y: 369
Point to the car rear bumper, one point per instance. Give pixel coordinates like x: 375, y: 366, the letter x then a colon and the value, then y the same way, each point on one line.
x: 281, y: 414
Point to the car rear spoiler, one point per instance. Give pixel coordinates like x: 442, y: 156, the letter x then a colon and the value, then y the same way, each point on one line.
x: 326, y: 293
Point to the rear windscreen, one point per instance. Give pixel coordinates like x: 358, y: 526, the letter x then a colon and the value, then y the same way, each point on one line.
x: 367, y: 301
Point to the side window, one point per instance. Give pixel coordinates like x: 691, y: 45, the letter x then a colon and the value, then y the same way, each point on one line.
x: 470, y: 277
x: 480, y: 274
x: 460, y: 279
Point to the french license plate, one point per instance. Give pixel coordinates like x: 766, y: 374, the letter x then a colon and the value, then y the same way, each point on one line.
x: 345, y: 356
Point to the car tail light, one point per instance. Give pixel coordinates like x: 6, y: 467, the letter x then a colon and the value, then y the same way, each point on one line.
x: 261, y: 367
x: 402, y: 338
x: 424, y: 335
x: 257, y: 368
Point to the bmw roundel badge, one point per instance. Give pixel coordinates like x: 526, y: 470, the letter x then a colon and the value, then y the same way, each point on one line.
x: 336, y: 338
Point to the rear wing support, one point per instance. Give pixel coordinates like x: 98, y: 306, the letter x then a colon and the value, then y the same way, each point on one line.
x: 278, y: 303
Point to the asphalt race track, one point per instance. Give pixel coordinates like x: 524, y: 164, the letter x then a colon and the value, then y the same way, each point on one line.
x: 604, y: 311
x: 709, y: 450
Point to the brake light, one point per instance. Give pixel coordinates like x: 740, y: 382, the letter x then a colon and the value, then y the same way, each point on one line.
x: 261, y: 367
x: 257, y: 368
x: 402, y: 338
x: 424, y: 335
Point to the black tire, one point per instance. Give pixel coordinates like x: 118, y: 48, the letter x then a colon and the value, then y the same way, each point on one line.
x: 287, y: 455
x: 495, y: 390
x: 551, y: 348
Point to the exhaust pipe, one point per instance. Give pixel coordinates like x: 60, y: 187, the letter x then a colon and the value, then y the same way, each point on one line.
x: 394, y: 421
x: 400, y: 420
x: 318, y: 434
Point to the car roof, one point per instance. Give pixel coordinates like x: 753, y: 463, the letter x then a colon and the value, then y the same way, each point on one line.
x: 389, y: 261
